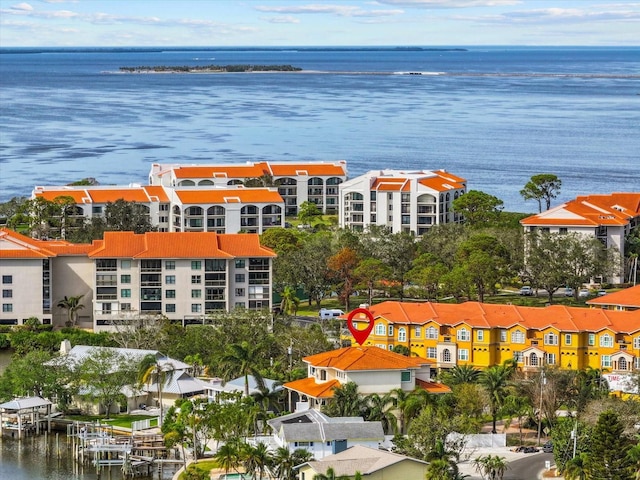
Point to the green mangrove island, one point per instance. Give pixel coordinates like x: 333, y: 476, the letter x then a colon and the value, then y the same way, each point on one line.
x: 211, y: 69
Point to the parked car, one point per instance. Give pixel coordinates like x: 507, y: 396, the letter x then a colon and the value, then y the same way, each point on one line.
x: 548, y: 447
x: 584, y: 293
x: 602, y: 292
x: 526, y: 291
x: 530, y: 450
x: 568, y: 292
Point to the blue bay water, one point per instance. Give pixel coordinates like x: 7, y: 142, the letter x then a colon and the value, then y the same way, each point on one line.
x: 495, y: 116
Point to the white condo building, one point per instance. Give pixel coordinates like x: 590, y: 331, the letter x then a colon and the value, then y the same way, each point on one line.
x: 404, y: 201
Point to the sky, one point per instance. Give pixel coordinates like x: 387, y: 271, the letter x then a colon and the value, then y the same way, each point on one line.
x: 77, y: 23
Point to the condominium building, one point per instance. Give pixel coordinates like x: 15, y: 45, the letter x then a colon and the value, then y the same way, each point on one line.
x: 404, y: 201
x: 229, y: 209
x: 182, y: 276
x: 297, y: 182
x: 609, y: 218
x: 482, y: 335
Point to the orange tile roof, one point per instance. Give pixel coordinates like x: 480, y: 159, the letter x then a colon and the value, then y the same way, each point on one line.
x: 450, y: 177
x: 101, y: 195
x: 84, y: 195
x: 79, y: 195
x: 591, y: 210
x: 156, y: 193
x: 313, y: 168
x: 432, y: 387
x: 232, y: 195
x: 389, y: 184
x: 629, y: 297
x: 16, y: 245
x: 364, y: 358
x: 253, y: 170
x: 440, y: 184
x: 309, y: 387
x: 179, y: 245
x: 486, y: 315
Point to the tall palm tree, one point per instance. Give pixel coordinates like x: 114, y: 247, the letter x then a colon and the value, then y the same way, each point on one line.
x: 492, y: 467
x: 380, y: 409
x: 461, y: 374
x: 408, y: 405
x: 228, y: 456
x: 495, y: 381
x: 154, y: 370
x: 440, y: 453
x: 72, y: 305
x: 290, y: 302
x: 284, y: 460
x: 346, y: 401
x: 241, y: 359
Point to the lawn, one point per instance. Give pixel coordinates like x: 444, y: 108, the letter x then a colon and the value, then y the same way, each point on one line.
x: 120, y: 420
x: 203, y: 467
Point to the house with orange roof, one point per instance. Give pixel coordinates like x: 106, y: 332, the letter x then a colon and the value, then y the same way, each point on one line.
x: 482, y: 335
x: 224, y: 209
x: 297, y: 182
x: 373, y: 369
x: 404, y: 201
x: 609, y: 218
x: 183, y: 276
x: 627, y: 299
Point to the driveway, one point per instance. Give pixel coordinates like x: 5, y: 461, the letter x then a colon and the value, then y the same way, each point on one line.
x: 522, y: 466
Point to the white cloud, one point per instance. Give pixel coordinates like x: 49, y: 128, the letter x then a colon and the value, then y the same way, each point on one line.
x: 22, y: 7
x: 338, y: 10
x: 450, y: 3
x: 560, y: 15
x: 281, y: 19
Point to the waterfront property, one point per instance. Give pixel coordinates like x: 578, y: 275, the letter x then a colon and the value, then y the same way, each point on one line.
x: 183, y: 276
x: 371, y: 463
x: 404, y: 201
x: 297, y: 182
x: 372, y: 369
x: 25, y: 415
x: 609, y: 218
x: 482, y: 334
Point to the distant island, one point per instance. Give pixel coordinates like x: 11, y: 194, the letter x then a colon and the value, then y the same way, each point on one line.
x: 211, y: 69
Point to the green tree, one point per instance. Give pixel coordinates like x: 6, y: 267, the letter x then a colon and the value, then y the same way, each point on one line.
x: 542, y: 187
x: 228, y: 456
x: 240, y: 359
x: 369, y: 272
x: 575, y: 468
x: 380, y: 409
x: 346, y: 402
x: 461, y: 374
x: 427, y: 272
x: 486, y: 262
x: 290, y: 302
x: 478, y: 208
x: 155, y: 370
x: 516, y: 406
x: 492, y: 467
x: 264, y: 180
x: 343, y: 264
x: 608, y: 457
x: 72, y: 305
x: 123, y: 216
x: 308, y: 211
x: 495, y: 381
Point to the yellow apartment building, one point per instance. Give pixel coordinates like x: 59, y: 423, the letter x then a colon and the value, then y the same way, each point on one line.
x: 482, y: 335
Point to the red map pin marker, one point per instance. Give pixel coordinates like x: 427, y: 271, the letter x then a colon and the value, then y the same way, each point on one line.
x: 360, y: 335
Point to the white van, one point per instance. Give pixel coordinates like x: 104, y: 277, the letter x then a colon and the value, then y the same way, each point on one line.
x: 326, y: 313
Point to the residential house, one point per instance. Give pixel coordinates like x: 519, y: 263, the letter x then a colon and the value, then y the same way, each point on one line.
x: 627, y: 299
x: 183, y: 276
x: 374, y: 370
x: 404, y: 201
x: 223, y: 209
x: 321, y: 435
x: 482, y: 335
x: 371, y: 463
x: 297, y: 182
x: 216, y: 386
x: 609, y: 218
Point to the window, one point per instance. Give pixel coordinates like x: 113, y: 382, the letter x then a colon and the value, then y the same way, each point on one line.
x: 463, y: 335
x: 636, y: 342
x: 402, y: 334
x: 239, y: 292
x: 170, y: 279
x: 503, y: 335
x: 517, y: 336
x: 7, y: 293
x: 517, y: 357
x: 125, y: 307
x: 533, y: 360
x: 240, y: 278
x: 567, y: 339
x: 170, y: 308
x: 405, y: 376
x: 592, y: 339
x: 240, y: 305
x: 551, y: 358
x: 606, y: 360
x: 125, y: 293
x: 196, y: 293
x: 125, y: 264
x: 463, y: 354
x: 432, y: 352
x: 380, y: 329
x: 196, y: 308
x: 7, y: 307
x: 390, y: 332
x: 480, y: 335
x: 125, y: 278
x: 170, y: 294
x: 240, y: 263
x: 96, y: 210
x: 551, y: 339
x: 563, y: 230
x: 170, y: 265
x: 606, y: 340
x: 446, y: 355
x: 196, y: 279
x: 7, y: 279
x: 418, y: 332
x: 431, y: 333
x: 196, y: 265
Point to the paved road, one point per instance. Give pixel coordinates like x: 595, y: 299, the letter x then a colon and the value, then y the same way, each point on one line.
x: 528, y: 468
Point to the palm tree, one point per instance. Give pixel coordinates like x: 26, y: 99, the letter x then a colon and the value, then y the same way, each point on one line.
x: 290, y: 302
x: 242, y: 358
x: 574, y: 469
x: 440, y: 454
x: 409, y: 404
x: 491, y: 467
x: 380, y: 410
x: 330, y: 475
x: 495, y: 381
x: 284, y: 460
x: 461, y: 374
x: 255, y: 459
x: 346, y: 401
x: 72, y: 305
x: 517, y: 406
x: 228, y: 456
x: 158, y: 371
